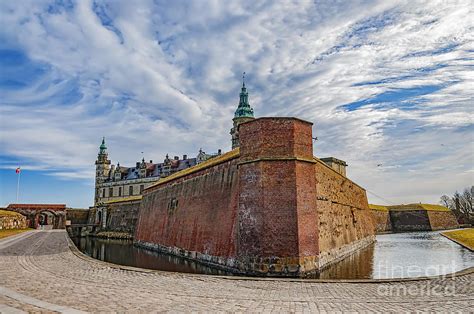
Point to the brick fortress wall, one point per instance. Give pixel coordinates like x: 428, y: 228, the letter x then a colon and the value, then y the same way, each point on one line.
x: 259, y: 212
x: 382, y: 221
x: 440, y: 220
x: 345, y: 220
x: 193, y: 216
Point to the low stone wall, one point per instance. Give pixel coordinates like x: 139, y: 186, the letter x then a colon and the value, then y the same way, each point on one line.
x: 77, y: 215
x: 12, y: 220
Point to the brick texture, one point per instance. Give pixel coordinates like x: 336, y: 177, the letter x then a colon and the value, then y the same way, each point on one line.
x: 442, y: 220
x: 272, y: 209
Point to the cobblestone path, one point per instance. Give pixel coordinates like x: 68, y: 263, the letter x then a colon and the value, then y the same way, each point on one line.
x: 40, y: 272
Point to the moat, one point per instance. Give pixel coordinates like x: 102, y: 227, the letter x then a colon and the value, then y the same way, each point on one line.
x: 399, y: 255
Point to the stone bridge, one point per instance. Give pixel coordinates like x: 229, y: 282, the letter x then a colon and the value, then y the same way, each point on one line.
x: 42, y: 271
x: 51, y: 215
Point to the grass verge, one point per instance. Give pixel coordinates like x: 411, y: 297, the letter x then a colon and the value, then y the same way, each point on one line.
x: 464, y: 237
x: 9, y: 232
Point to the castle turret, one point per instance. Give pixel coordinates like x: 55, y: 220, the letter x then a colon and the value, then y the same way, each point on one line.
x: 102, y: 168
x: 142, y: 168
x: 243, y: 113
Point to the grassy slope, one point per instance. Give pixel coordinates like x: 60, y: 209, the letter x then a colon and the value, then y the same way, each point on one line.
x: 465, y: 237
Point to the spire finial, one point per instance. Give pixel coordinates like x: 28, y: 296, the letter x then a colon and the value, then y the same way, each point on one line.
x: 102, y: 147
x: 243, y: 79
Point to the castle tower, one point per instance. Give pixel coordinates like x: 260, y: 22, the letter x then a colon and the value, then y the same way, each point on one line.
x: 102, y: 168
x: 243, y: 114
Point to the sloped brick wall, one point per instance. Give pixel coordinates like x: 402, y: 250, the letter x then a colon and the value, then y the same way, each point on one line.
x: 382, y: 221
x: 193, y: 216
x: 122, y: 216
x: 410, y: 220
x: 345, y: 221
x: 272, y: 209
x: 440, y: 220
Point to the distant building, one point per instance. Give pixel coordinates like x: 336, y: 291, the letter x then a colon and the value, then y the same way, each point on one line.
x: 115, y: 182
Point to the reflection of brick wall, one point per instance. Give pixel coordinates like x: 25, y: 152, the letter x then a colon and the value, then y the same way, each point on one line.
x: 442, y: 220
x: 382, y: 220
x: 12, y: 222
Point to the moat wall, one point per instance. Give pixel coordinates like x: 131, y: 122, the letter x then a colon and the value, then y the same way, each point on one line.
x: 442, y: 220
x: 382, y: 220
x: 122, y: 216
x: 345, y: 221
x: 269, y: 209
x: 193, y: 216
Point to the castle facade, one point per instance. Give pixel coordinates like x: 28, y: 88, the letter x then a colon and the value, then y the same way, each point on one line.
x: 115, y: 183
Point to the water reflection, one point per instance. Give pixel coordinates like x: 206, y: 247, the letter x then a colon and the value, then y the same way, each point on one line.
x: 124, y: 253
x: 399, y: 255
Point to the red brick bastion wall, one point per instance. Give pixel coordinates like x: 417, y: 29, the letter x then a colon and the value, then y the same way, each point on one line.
x: 269, y: 208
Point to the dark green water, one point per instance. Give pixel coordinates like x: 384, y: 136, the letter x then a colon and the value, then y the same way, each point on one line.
x: 400, y: 255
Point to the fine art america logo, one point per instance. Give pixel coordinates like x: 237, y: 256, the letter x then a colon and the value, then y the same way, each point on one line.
x: 418, y: 288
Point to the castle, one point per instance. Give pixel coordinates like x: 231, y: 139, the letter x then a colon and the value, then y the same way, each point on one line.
x: 267, y: 207
x: 113, y: 183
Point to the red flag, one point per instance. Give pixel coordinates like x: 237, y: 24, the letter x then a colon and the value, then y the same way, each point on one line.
x: 17, y: 170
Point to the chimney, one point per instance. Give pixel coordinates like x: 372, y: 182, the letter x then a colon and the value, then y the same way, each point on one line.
x: 176, y: 157
x: 138, y: 164
x: 219, y: 151
x: 151, y: 161
x: 185, y: 157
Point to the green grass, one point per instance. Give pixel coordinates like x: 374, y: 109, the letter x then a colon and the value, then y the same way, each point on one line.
x: 464, y: 237
x: 8, y: 213
x: 9, y: 232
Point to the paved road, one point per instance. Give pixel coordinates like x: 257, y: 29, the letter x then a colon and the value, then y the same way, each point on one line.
x: 40, y: 272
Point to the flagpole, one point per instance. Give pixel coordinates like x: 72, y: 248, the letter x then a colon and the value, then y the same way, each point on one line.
x: 18, y: 186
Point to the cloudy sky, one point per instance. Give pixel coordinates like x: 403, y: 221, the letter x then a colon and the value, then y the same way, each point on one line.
x: 389, y: 86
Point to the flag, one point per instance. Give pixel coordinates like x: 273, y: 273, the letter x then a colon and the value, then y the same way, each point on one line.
x: 18, y: 170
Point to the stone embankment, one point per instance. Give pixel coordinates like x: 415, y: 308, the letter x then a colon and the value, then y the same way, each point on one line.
x: 43, y: 272
x: 114, y: 235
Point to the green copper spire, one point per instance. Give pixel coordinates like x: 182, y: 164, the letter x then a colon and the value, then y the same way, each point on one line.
x: 102, y: 147
x: 244, y: 109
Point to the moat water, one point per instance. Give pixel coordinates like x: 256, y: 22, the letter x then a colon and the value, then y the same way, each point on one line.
x: 398, y: 255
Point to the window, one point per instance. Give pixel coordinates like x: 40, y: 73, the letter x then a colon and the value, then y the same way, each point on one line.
x: 130, y: 190
x: 120, y: 191
x: 103, y: 192
x: 111, y: 192
x: 142, y: 187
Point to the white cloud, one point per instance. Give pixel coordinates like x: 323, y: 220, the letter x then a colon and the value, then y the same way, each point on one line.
x: 164, y: 77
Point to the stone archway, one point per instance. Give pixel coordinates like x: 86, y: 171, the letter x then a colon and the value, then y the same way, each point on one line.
x: 51, y: 215
x: 46, y: 220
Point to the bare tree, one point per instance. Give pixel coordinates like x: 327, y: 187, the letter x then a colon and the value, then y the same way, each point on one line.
x: 446, y: 201
x: 462, y: 205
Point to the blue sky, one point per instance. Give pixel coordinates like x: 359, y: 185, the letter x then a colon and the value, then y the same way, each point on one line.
x: 388, y: 85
